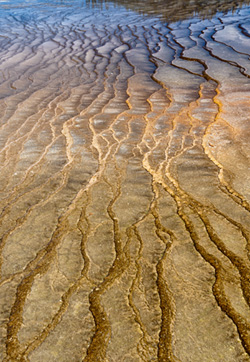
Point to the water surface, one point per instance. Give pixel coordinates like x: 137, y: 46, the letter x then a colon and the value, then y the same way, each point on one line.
x: 124, y: 183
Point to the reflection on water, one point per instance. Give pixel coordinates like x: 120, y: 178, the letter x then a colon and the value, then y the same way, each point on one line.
x: 170, y: 10
x: 173, y: 10
x: 124, y: 182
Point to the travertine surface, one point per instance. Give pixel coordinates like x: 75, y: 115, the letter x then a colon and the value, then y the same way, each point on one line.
x: 125, y: 186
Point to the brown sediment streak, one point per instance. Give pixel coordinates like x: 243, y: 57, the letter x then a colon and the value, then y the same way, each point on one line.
x: 39, y: 266
x: 102, y: 335
x: 145, y: 342
x: 237, y: 261
x: 83, y: 219
x: 13, y: 348
x: 166, y: 301
x: 218, y: 290
x: 182, y: 199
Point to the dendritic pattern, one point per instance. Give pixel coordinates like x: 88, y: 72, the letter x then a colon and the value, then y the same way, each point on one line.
x: 124, y: 187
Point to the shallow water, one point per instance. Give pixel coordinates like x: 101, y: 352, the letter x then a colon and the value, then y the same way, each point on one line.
x: 124, y: 183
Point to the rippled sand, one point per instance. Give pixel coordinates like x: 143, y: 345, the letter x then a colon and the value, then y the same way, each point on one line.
x: 125, y: 186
